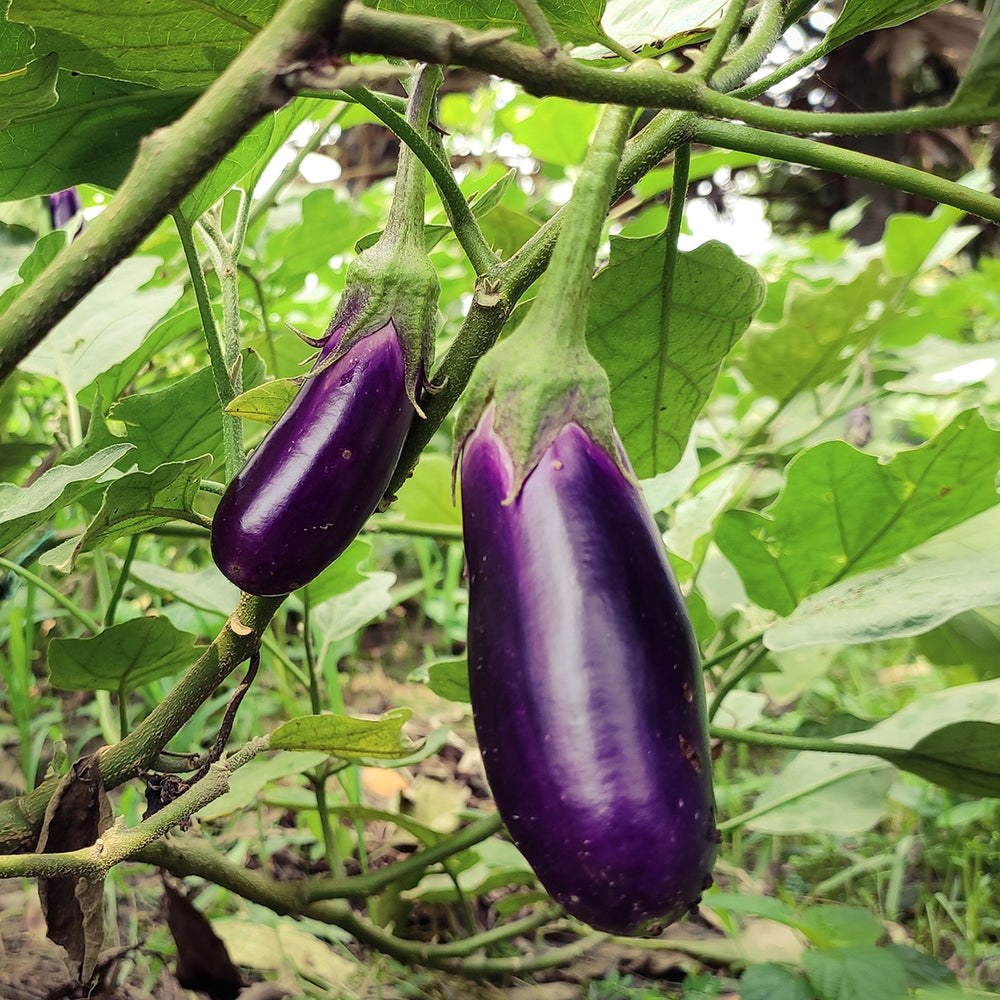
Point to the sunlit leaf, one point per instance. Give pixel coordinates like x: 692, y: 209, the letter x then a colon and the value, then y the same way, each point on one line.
x: 859, y: 972
x: 346, y: 737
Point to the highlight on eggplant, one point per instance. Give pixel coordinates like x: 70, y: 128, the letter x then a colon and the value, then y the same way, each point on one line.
x: 585, y: 682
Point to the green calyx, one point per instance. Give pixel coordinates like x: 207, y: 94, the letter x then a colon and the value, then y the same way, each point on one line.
x: 543, y: 377
x: 394, y: 280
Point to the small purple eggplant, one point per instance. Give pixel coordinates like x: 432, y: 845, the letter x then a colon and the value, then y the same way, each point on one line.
x: 316, y: 478
x: 585, y: 682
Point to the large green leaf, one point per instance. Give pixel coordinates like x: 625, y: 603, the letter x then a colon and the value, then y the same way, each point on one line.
x: 576, y: 21
x: 29, y: 90
x: 159, y: 43
x: 23, y: 509
x: 207, y: 588
x: 821, y: 330
x: 182, y: 421
x: 861, y: 16
x: 106, y: 327
x: 843, y: 511
x: 121, y: 658
x: 903, y: 600
x: 89, y: 136
x: 346, y: 737
x: 141, y: 500
x: 663, y: 358
x: 767, y: 981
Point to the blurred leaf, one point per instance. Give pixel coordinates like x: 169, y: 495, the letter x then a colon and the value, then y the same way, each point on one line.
x: 964, y: 757
x: 660, y: 378
x: 658, y: 26
x: 859, y: 972
x: 42, y: 254
x: 768, y: 981
x: 943, y: 368
x: 555, y: 130
x: 902, y: 600
x: 484, y: 203
x: 28, y: 89
x: 207, y: 588
x: 821, y: 330
x: 836, y: 926
x: 346, y: 737
x: 970, y: 639
x: 861, y: 16
x: 90, y: 136
x: 24, y: 509
x: 507, y: 230
x: 265, y: 402
x: 912, y: 242
x: 340, y: 616
x: 424, y: 500
x: 979, y: 88
x: 122, y: 657
x: 448, y: 677
x: 921, y: 969
x: 161, y: 43
x: 106, y: 327
x: 843, y: 511
x: 141, y: 500
x: 181, y: 421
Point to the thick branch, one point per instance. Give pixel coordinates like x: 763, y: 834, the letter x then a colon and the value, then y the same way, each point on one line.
x: 169, y: 164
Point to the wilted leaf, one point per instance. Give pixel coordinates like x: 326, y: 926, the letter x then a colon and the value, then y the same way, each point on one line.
x: 76, y: 816
x: 203, y: 963
x: 662, y: 359
x: 843, y: 511
x: 23, y: 509
x: 122, y: 657
x: 141, y: 500
x: 346, y: 737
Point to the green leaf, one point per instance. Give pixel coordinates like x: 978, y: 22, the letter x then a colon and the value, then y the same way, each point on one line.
x: 507, y: 230
x: 555, y: 129
x: 121, y: 658
x: 340, y: 616
x: 448, y: 677
x: 141, y: 500
x: 979, y: 89
x: 207, y: 588
x: 861, y: 16
x: 921, y: 969
x: 575, y: 21
x: 29, y: 90
x: 829, y: 927
x: 24, y: 509
x: 89, y: 136
x: 346, y: 737
x: 42, y: 254
x: 821, y: 330
x: 424, y: 501
x: 484, y: 203
x: 265, y: 402
x: 903, y: 600
x: 660, y: 378
x: 106, y: 327
x: 964, y: 757
x: 842, y: 511
x: 182, y: 421
x: 860, y: 972
x: 160, y: 43
x: 768, y: 981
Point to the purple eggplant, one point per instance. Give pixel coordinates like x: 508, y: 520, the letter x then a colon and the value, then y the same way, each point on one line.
x: 320, y: 472
x: 585, y: 682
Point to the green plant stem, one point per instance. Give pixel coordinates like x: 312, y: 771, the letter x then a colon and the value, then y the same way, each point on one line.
x: 170, y: 162
x: 846, y: 161
x: 120, y: 584
x: 749, y: 57
x: 36, y: 581
x: 410, y: 868
x: 790, y: 68
x: 21, y: 818
x: 463, y: 222
x: 539, y: 25
x: 431, y: 40
x: 730, y: 651
x: 721, y: 39
x: 120, y: 843
x: 737, y: 674
x: 508, y: 281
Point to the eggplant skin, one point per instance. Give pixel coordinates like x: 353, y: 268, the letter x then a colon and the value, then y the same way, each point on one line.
x: 318, y: 475
x: 585, y: 684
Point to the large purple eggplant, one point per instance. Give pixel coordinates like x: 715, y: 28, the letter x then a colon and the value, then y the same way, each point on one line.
x: 585, y: 682
x: 316, y: 478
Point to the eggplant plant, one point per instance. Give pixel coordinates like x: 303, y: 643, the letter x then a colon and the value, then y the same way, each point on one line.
x: 812, y: 421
